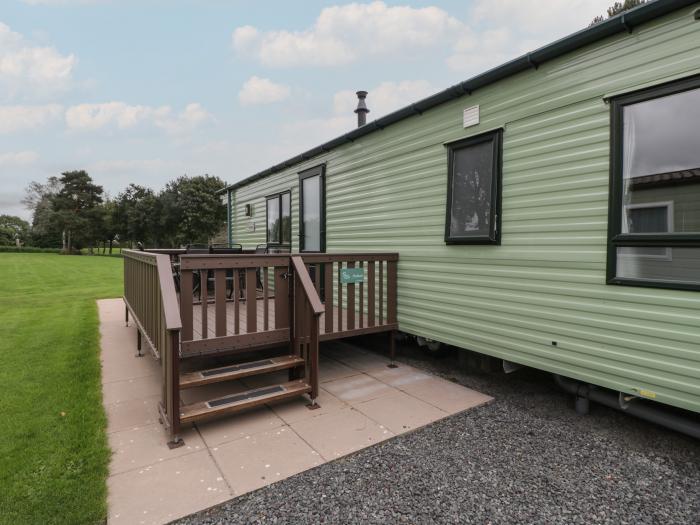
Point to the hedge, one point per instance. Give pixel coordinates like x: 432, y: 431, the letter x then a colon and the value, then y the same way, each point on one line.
x: 28, y: 249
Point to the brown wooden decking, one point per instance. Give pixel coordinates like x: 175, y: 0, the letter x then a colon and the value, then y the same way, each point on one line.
x: 359, y: 327
x: 276, y: 302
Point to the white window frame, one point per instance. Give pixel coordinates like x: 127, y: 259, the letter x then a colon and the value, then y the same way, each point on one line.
x: 668, y: 252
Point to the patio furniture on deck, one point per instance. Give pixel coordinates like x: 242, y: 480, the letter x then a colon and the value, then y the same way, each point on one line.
x: 197, y: 249
x: 214, y: 249
x: 225, y: 249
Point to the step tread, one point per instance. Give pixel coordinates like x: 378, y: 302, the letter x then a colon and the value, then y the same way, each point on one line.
x: 239, y: 401
x: 238, y: 370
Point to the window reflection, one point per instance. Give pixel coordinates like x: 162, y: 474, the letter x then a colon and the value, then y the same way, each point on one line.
x: 311, y: 195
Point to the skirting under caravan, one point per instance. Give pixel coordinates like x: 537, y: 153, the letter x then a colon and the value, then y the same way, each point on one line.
x: 546, y: 212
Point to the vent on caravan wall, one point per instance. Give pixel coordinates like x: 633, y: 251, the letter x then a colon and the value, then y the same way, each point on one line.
x: 470, y: 116
x: 361, y: 109
x: 248, y: 210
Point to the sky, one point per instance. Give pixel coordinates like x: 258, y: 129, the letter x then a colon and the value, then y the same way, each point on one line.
x: 144, y: 91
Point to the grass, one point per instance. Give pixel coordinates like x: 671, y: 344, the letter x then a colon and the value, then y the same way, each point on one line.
x: 53, y: 448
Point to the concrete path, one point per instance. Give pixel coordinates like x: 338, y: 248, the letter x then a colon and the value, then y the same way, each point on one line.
x: 363, y: 402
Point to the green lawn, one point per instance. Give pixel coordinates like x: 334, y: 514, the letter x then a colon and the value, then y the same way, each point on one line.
x: 53, y: 449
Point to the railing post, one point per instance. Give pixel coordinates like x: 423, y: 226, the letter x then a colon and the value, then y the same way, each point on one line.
x: 313, y: 358
x: 293, y: 318
x: 138, y: 343
x: 173, y: 389
x: 391, y: 291
x: 308, y: 309
x: 350, y: 302
x: 186, y: 304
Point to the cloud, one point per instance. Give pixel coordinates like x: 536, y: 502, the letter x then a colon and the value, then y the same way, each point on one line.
x: 188, y: 119
x: 551, y: 20
x: 120, y: 115
x: 19, y: 158
x: 299, y: 135
x: 20, y: 118
x: 25, y: 67
x: 384, y: 98
x: 345, y: 34
x: 95, y: 116
x: 492, y: 32
x: 117, y: 174
x: 258, y: 90
x: 130, y: 166
x: 493, y: 39
x: 63, y: 2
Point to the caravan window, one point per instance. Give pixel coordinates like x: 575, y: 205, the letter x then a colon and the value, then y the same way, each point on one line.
x: 655, y: 198
x: 473, y: 190
x: 279, y: 219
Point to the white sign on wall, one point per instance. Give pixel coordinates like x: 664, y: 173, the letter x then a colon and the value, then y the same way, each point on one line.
x: 251, y: 226
x: 470, y: 117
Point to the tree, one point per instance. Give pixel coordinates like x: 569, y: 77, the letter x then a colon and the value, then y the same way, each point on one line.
x: 73, y: 211
x: 76, y: 208
x: 13, y: 228
x: 617, y: 8
x: 137, y: 216
x: 192, y: 209
x: 109, y: 232
x: 46, y: 233
x: 36, y: 192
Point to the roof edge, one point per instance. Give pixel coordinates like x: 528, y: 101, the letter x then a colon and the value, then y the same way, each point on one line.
x: 623, y: 22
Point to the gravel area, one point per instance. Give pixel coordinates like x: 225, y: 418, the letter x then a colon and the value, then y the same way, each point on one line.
x: 525, y: 458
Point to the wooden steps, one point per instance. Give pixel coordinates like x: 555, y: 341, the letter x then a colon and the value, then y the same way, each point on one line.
x: 242, y: 400
x: 237, y: 371
x: 238, y: 401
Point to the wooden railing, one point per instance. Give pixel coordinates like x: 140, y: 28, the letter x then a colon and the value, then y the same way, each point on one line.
x: 234, y: 303
x: 356, y: 308
x: 230, y: 320
x: 151, y: 299
x: 307, y: 312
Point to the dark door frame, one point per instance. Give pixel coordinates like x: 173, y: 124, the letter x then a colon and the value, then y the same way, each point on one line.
x: 317, y: 171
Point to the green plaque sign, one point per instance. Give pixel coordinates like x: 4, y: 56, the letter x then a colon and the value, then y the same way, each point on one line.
x: 352, y: 275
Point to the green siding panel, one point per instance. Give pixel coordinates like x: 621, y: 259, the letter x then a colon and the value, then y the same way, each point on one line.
x: 546, y: 281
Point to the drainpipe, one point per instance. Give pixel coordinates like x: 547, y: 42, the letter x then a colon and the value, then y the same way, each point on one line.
x: 585, y: 393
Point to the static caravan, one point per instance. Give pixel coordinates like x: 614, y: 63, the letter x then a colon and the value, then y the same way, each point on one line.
x: 546, y: 212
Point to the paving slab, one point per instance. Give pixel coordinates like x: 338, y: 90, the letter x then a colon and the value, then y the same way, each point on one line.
x: 220, y: 431
x: 400, y: 412
x: 134, y: 413
x: 298, y: 409
x: 258, y: 460
x: 143, y: 446
x: 331, y: 369
x: 164, y: 491
x: 445, y: 395
x: 356, y: 358
x: 118, y: 367
x: 130, y: 390
x: 356, y: 389
x: 399, y: 376
x: 362, y: 402
x: 339, y: 433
